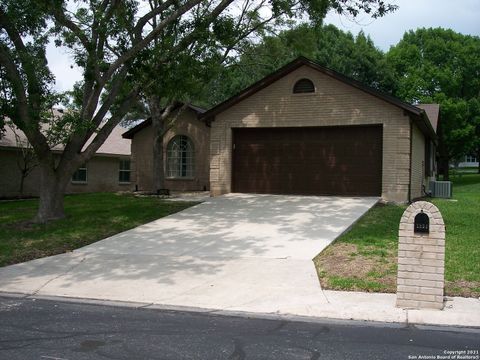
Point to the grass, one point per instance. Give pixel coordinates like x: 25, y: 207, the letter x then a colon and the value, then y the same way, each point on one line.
x: 365, y: 258
x: 464, y: 170
x: 89, y: 218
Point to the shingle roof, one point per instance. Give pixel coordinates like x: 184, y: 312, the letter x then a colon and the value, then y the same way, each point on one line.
x: 130, y: 133
x: 115, y: 144
x: 432, y: 111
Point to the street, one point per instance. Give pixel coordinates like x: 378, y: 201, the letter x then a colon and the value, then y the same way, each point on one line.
x: 46, y: 329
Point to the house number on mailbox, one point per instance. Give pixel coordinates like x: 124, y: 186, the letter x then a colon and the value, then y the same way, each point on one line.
x: 421, y: 223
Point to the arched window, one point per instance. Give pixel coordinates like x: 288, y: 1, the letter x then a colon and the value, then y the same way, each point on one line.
x: 303, y: 86
x: 180, y: 157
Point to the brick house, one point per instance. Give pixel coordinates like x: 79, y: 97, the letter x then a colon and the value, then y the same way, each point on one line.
x: 186, y: 148
x: 306, y: 129
x: 303, y: 129
x: 109, y: 170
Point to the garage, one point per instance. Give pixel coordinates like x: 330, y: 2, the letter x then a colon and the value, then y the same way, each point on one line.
x: 306, y: 129
x: 340, y: 160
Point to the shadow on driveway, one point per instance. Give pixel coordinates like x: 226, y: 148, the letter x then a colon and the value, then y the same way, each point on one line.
x: 238, y: 245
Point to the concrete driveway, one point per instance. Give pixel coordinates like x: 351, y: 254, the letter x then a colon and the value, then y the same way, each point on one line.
x: 235, y: 252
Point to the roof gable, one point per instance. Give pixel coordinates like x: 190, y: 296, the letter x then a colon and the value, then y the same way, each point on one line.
x: 433, y: 113
x: 416, y: 113
x: 147, y: 122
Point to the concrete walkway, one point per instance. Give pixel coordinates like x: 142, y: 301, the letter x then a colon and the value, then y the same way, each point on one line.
x: 240, y: 253
x: 229, y: 251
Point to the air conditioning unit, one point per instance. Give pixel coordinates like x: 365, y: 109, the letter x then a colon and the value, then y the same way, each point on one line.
x: 441, y: 189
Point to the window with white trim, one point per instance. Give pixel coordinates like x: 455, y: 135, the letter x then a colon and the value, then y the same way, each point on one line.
x: 124, y: 171
x: 470, y: 159
x: 180, y: 157
x: 80, y: 176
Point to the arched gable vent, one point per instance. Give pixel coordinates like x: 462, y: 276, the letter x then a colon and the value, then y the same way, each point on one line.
x: 303, y: 86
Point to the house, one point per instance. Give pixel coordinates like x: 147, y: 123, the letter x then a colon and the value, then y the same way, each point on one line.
x: 108, y: 170
x: 306, y: 129
x: 468, y: 161
x: 303, y: 129
x: 186, y: 147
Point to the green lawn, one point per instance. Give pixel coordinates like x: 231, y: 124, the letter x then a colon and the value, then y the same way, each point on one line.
x: 364, y: 259
x: 89, y: 218
x: 464, y: 170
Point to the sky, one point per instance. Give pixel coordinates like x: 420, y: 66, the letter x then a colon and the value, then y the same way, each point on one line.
x: 461, y: 16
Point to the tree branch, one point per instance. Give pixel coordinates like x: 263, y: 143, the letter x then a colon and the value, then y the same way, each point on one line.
x: 244, y: 35
x: 33, y: 85
x: 31, y: 129
x: 187, y: 40
x: 59, y: 15
x: 16, y: 81
x: 102, y: 36
x: 107, y: 103
x: 135, y: 49
x: 107, y: 128
x: 137, y: 30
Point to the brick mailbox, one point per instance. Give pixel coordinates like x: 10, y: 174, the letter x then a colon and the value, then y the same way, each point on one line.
x: 421, y: 257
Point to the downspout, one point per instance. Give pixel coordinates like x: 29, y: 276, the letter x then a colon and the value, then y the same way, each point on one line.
x: 411, y: 163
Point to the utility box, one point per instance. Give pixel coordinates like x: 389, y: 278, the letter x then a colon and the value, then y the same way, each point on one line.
x: 421, y: 257
x: 441, y: 189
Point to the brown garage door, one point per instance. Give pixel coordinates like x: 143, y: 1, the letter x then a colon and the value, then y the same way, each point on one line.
x: 312, y: 161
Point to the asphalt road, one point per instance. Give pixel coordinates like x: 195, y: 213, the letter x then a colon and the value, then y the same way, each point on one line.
x: 44, y: 329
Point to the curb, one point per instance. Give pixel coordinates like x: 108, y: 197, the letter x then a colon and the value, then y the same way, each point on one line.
x: 241, y: 314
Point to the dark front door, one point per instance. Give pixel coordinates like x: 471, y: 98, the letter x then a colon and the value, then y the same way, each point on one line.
x: 343, y: 160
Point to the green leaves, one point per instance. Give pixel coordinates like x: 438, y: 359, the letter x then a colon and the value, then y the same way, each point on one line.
x: 23, y: 63
x: 374, y: 8
x: 353, y: 56
x: 440, y: 65
x: 29, y: 16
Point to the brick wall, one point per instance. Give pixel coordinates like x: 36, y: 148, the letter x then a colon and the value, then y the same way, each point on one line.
x: 142, y: 154
x: 102, y: 175
x: 333, y: 103
x: 142, y: 159
x: 418, y: 163
x: 421, y: 260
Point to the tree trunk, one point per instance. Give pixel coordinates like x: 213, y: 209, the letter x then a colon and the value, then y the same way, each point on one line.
x: 444, y: 157
x: 158, y: 132
x: 22, y: 182
x: 444, y: 163
x: 478, y: 159
x: 52, y: 190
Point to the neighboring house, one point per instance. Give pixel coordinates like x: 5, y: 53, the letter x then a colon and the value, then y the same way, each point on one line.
x: 468, y: 161
x: 108, y: 170
x: 186, y: 152
x: 306, y: 129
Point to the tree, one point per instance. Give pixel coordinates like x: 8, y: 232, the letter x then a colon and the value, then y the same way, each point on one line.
x: 185, y: 79
x: 353, y: 56
x: 442, y: 66
x: 105, y: 39
x: 26, y: 160
x: 474, y: 106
